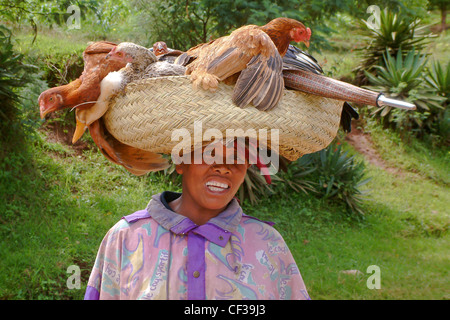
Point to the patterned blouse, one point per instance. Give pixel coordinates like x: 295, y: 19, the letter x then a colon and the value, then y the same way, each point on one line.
x: 158, y: 254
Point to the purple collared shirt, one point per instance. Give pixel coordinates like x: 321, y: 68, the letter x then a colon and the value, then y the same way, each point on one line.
x: 158, y: 254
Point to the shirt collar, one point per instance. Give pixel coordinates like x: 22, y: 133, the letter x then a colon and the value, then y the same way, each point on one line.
x: 217, y: 229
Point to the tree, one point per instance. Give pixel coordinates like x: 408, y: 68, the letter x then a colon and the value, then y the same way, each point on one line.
x: 442, y: 6
x: 184, y: 23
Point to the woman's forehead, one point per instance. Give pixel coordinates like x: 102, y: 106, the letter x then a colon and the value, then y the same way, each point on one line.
x: 228, y: 153
x: 232, y: 151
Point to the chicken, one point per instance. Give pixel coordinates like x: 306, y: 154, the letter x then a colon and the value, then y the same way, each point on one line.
x: 136, y: 161
x: 84, y: 91
x: 97, y: 66
x: 163, y: 53
x: 251, y: 56
x: 141, y: 64
x: 160, y: 48
x: 296, y: 59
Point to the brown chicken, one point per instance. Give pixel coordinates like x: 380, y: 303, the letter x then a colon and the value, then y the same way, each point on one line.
x: 136, y: 161
x: 163, y: 53
x: 87, y: 89
x: 84, y: 91
x: 250, y: 56
x: 160, y: 48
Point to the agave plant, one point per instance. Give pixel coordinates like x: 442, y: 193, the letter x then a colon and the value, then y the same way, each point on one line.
x: 341, y: 177
x: 402, y: 77
x: 297, y: 173
x: 391, y: 33
x: 438, y: 77
x: 330, y: 174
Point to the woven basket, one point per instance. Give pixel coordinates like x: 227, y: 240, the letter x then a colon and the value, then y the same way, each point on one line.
x: 148, y: 112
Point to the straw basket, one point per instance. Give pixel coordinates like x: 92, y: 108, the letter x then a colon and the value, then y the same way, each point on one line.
x: 147, y: 114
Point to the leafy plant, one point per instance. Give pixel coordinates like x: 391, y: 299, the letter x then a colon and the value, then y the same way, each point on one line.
x: 438, y: 77
x: 391, y: 33
x: 340, y: 177
x: 403, y: 78
x: 332, y: 174
x: 254, y: 187
x: 13, y: 75
x: 295, y: 177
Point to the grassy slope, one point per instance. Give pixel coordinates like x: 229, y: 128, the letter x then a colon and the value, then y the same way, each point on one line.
x: 56, y: 206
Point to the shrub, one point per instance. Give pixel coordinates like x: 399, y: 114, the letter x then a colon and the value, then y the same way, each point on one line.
x: 438, y: 77
x: 331, y: 174
x: 404, y: 78
x: 392, y: 33
x: 13, y: 75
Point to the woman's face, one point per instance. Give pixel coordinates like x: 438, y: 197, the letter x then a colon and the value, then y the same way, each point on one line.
x: 213, y: 186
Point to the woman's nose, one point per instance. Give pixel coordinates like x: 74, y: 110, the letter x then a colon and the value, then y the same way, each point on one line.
x: 221, y: 169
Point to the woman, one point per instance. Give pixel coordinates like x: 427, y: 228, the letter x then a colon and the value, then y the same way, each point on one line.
x: 197, y: 244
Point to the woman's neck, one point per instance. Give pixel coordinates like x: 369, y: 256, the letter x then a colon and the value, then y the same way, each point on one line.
x: 187, y: 207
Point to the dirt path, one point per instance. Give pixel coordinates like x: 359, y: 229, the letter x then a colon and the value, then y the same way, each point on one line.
x: 362, y: 143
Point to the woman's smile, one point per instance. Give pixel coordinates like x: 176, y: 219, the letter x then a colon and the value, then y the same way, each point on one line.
x: 217, y: 186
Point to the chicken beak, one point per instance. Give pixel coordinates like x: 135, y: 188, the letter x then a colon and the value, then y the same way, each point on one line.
x: 43, y: 112
x: 306, y: 42
x: 79, y: 130
x: 107, y: 56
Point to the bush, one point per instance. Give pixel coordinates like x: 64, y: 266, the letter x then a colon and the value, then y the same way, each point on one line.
x: 403, y: 78
x: 330, y: 174
x: 438, y: 77
x: 392, y: 33
x: 14, y: 74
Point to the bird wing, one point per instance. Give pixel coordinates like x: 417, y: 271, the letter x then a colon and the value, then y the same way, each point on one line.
x: 296, y: 59
x: 96, y: 67
x: 95, y: 54
x: 248, y: 51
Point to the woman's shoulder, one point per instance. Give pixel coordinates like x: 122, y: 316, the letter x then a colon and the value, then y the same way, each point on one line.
x: 129, y: 223
x: 262, y: 228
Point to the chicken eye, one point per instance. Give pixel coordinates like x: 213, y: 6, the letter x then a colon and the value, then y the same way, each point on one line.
x: 51, y: 99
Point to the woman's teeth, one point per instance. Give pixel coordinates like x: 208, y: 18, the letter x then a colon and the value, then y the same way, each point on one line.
x: 216, y: 186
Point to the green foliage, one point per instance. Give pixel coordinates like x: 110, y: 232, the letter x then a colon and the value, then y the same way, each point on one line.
x: 404, y: 78
x: 14, y: 73
x: 438, y: 77
x: 194, y: 22
x: 330, y: 174
x: 254, y: 188
x: 390, y: 32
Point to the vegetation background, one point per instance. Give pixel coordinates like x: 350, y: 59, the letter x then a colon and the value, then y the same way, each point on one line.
x: 377, y: 196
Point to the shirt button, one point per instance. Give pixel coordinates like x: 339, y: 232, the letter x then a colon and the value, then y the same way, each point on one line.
x: 196, y: 274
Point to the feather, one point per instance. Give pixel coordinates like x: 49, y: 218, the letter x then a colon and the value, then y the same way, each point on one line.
x: 296, y: 59
x: 136, y: 161
x: 251, y: 57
